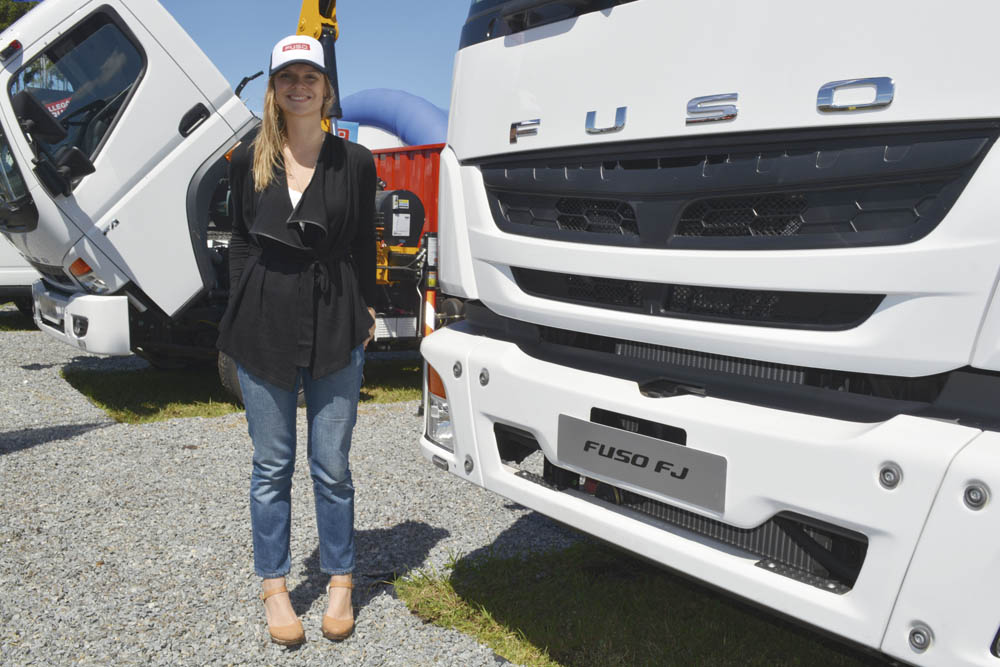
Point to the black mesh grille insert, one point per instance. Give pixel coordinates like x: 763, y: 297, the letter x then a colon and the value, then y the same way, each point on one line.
x: 575, y: 214
x: 828, y: 557
x: 812, y: 310
x: 833, y: 187
x: 766, y: 215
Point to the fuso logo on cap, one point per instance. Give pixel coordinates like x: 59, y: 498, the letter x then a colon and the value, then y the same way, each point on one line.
x: 296, y: 46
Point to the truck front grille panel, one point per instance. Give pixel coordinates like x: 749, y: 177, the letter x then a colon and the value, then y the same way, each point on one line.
x: 834, y: 212
x: 575, y: 214
x: 833, y: 187
x: 811, y: 310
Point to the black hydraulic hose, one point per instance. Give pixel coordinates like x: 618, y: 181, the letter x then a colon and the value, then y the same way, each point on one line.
x: 328, y: 39
x: 243, y: 83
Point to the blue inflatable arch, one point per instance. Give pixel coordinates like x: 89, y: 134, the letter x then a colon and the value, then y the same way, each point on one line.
x: 411, y: 118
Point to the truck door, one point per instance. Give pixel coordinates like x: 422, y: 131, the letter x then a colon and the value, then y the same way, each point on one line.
x: 147, y: 126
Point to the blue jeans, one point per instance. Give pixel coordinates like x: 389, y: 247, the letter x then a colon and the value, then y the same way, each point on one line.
x: 331, y: 410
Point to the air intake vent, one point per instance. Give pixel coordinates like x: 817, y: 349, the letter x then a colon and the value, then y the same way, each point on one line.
x: 801, y: 310
x: 897, y: 207
x: 767, y: 215
x: 572, y: 214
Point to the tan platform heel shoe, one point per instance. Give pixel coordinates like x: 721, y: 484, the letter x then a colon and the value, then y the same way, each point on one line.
x: 287, y: 635
x: 338, y: 629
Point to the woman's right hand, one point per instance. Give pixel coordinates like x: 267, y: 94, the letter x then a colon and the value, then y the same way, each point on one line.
x: 371, y: 331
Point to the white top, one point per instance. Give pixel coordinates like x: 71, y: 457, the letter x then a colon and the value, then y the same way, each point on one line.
x: 295, y: 196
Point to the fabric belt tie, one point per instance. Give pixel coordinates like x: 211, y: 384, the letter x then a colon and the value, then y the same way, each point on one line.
x: 322, y: 276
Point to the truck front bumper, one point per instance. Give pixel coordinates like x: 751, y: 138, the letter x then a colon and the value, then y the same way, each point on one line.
x: 931, y: 558
x: 97, y: 324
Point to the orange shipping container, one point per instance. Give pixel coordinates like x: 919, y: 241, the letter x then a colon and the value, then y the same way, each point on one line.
x: 413, y: 168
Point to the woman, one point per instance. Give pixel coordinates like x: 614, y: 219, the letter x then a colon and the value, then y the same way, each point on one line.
x: 302, y: 273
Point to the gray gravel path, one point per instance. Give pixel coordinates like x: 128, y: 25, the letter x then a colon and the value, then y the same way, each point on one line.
x: 124, y: 544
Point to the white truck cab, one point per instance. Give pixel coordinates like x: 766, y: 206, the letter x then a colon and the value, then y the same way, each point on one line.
x: 114, y: 132
x: 730, y: 272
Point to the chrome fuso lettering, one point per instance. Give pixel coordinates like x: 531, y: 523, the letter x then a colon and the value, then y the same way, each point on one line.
x: 591, y: 123
x: 525, y: 128
x: 884, y: 88
x: 702, y: 109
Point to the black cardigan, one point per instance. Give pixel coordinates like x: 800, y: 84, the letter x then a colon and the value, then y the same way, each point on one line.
x: 301, y: 280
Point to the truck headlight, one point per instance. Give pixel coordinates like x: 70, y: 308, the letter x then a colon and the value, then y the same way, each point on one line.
x: 85, y: 276
x: 439, y: 427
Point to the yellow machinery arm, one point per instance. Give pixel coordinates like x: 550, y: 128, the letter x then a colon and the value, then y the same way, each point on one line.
x: 318, y: 19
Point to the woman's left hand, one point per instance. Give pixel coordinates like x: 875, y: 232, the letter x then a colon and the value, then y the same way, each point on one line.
x: 371, y: 332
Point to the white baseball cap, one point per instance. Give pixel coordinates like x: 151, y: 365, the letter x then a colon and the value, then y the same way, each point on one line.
x: 297, y: 49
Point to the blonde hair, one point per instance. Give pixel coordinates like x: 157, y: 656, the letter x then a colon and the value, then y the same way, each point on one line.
x: 273, y: 135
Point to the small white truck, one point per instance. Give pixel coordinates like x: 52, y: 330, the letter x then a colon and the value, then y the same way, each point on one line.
x: 115, y: 128
x: 113, y: 146
x: 730, y: 273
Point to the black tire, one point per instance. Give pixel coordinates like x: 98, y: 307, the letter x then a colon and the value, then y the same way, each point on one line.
x: 25, y: 305
x: 230, y: 380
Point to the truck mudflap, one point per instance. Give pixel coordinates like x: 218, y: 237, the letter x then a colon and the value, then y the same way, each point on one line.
x: 97, y: 324
x: 790, y: 482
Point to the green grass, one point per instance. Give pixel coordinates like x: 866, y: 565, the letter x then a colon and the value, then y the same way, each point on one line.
x: 591, y: 605
x: 392, y: 381
x: 147, y: 395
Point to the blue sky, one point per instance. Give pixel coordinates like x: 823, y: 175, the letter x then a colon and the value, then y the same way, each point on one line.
x: 403, y: 44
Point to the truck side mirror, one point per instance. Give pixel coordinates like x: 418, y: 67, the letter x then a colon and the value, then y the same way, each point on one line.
x: 72, y: 163
x: 36, y: 119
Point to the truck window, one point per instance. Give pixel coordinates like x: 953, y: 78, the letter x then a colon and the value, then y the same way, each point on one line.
x: 489, y: 19
x: 12, y: 186
x: 84, y: 80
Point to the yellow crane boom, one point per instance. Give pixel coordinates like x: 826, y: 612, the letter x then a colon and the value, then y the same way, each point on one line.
x: 318, y: 19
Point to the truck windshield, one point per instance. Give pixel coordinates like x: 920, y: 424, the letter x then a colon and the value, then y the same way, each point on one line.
x: 489, y: 19
x: 83, y: 80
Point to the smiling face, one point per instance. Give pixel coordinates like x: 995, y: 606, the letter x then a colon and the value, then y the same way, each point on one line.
x: 299, y: 90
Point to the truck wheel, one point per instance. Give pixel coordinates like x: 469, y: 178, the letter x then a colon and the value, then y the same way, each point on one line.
x: 25, y: 305
x: 231, y: 382
x: 229, y: 378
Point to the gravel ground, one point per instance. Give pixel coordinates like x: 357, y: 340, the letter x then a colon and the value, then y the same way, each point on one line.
x: 125, y: 544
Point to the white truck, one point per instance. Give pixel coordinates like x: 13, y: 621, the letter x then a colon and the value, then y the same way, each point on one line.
x: 115, y: 133
x: 115, y: 128
x: 730, y: 273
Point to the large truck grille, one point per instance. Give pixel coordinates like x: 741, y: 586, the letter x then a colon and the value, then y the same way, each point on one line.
x: 802, y: 310
x: 838, y: 187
